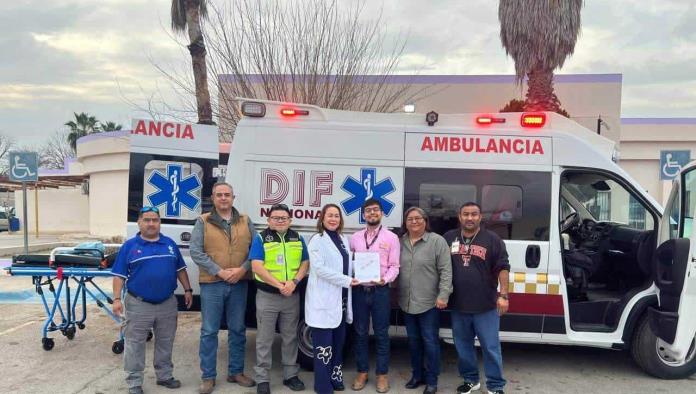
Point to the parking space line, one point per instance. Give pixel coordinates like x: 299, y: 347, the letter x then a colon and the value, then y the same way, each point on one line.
x: 13, y: 329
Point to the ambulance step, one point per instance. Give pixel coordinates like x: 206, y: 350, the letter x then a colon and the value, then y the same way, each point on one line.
x: 588, y: 327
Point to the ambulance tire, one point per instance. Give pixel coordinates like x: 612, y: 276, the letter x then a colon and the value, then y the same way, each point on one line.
x: 645, y: 353
x: 305, y: 353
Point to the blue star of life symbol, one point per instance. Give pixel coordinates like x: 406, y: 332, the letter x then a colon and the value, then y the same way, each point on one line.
x: 364, y: 189
x: 174, y: 190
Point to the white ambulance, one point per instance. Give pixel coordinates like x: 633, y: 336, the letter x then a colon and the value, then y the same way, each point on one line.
x: 582, y: 235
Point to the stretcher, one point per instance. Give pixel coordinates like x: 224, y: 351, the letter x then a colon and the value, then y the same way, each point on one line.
x: 56, y: 272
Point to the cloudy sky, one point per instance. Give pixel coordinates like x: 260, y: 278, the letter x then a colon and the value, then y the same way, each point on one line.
x: 96, y: 56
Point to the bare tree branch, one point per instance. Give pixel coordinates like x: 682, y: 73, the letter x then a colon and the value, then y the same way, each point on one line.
x: 6, y: 145
x: 55, y: 151
x: 319, y: 52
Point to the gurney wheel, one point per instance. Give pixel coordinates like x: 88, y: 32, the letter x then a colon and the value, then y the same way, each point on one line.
x: 81, y: 326
x: 149, y: 336
x: 47, y: 343
x: 117, y: 347
x: 70, y: 333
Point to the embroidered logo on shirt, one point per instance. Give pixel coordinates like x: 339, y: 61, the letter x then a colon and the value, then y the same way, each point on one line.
x: 171, y: 249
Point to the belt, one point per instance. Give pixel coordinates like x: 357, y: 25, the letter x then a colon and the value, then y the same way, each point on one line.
x: 139, y: 298
x: 369, y: 288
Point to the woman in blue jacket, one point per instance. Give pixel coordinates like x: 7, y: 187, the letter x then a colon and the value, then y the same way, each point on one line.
x: 328, y: 298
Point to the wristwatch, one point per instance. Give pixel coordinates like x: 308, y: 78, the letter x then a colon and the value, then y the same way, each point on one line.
x: 188, y: 291
x: 296, y: 281
x: 504, y: 296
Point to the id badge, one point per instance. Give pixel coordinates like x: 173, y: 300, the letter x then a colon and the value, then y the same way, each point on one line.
x: 455, y: 247
x: 280, y: 259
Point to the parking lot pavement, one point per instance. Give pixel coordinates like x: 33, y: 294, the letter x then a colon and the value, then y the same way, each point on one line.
x: 87, y: 365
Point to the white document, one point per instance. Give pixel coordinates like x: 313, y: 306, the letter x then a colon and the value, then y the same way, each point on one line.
x: 366, y: 265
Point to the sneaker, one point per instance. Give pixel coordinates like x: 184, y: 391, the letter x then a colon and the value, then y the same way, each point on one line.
x: 135, y: 390
x: 263, y: 388
x: 496, y: 392
x: 294, y: 383
x: 467, y: 387
x: 170, y: 383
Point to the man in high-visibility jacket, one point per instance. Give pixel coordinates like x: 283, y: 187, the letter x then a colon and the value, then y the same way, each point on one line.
x: 280, y: 260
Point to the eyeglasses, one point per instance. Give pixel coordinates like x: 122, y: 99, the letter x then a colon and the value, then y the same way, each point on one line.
x: 280, y: 218
x: 417, y: 219
x: 372, y: 210
x: 148, y: 208
x: 228, y: 195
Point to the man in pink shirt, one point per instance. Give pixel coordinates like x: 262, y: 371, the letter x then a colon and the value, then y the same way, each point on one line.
x: 372, y: 299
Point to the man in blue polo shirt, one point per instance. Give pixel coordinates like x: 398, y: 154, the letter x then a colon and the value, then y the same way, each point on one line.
x: 149, y: 264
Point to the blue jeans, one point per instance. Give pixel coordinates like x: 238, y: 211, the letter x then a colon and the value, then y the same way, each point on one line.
x: 423, y: 341
x: 485, y: 326
x: 371, y: 301
x: 220, y: 298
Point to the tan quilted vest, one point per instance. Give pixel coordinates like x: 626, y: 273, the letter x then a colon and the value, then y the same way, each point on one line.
x: 225, y: 251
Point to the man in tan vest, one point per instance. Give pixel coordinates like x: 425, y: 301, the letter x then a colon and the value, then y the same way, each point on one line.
x: 220, y: 247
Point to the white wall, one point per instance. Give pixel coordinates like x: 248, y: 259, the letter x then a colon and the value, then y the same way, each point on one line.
x: 105, y: 158
x: 64, y: 210
x: 642, y: 139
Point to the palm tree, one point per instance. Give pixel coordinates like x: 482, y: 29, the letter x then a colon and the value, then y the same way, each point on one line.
x: 539, y: 35
x: 186, y: 15
x: 82, y: 125
x: 110, y: 126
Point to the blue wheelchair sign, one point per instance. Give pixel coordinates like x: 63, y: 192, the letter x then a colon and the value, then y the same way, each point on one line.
x: 671, y: 163
x: 24, y: 167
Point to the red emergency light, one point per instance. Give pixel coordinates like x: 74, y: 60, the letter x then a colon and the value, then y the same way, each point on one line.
x: 487, y: 119
x: 293, y: 112
x: 533, y: 120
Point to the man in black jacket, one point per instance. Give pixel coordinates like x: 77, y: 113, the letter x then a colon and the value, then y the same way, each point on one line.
x: 479, y: 264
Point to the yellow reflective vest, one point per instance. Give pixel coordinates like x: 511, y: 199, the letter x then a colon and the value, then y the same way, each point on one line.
x: 282, y: 256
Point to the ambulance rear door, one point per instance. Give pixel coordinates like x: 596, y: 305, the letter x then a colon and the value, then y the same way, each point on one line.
x: 673, y: 321
x: 172, y: 167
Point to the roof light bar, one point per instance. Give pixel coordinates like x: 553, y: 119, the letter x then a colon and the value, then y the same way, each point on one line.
x: 293, y: 112
x: 533, y: 120
x: 487, y: 119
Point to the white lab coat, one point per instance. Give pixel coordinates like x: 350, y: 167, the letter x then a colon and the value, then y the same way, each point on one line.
x: 324, y: 287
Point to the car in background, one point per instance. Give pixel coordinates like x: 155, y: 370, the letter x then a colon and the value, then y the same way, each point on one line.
x: 4, y: 221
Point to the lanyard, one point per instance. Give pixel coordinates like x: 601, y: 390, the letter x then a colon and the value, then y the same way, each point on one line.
x: 369, y: 245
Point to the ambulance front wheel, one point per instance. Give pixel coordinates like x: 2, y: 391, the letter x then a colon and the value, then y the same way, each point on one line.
x: 647, y: 353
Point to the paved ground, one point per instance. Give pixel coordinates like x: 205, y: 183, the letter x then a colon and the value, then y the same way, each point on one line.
x: 87, y: 365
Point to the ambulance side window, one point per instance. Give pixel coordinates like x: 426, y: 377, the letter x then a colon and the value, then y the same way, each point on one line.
x: 515, y: 204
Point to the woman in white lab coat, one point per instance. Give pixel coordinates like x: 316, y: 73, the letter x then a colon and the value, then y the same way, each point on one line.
x: 328, y: 298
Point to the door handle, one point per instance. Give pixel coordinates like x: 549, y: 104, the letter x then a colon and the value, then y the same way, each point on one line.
x: 533, y: 256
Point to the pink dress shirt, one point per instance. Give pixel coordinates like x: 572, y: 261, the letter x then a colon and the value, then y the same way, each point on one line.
x: 388, y: 247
